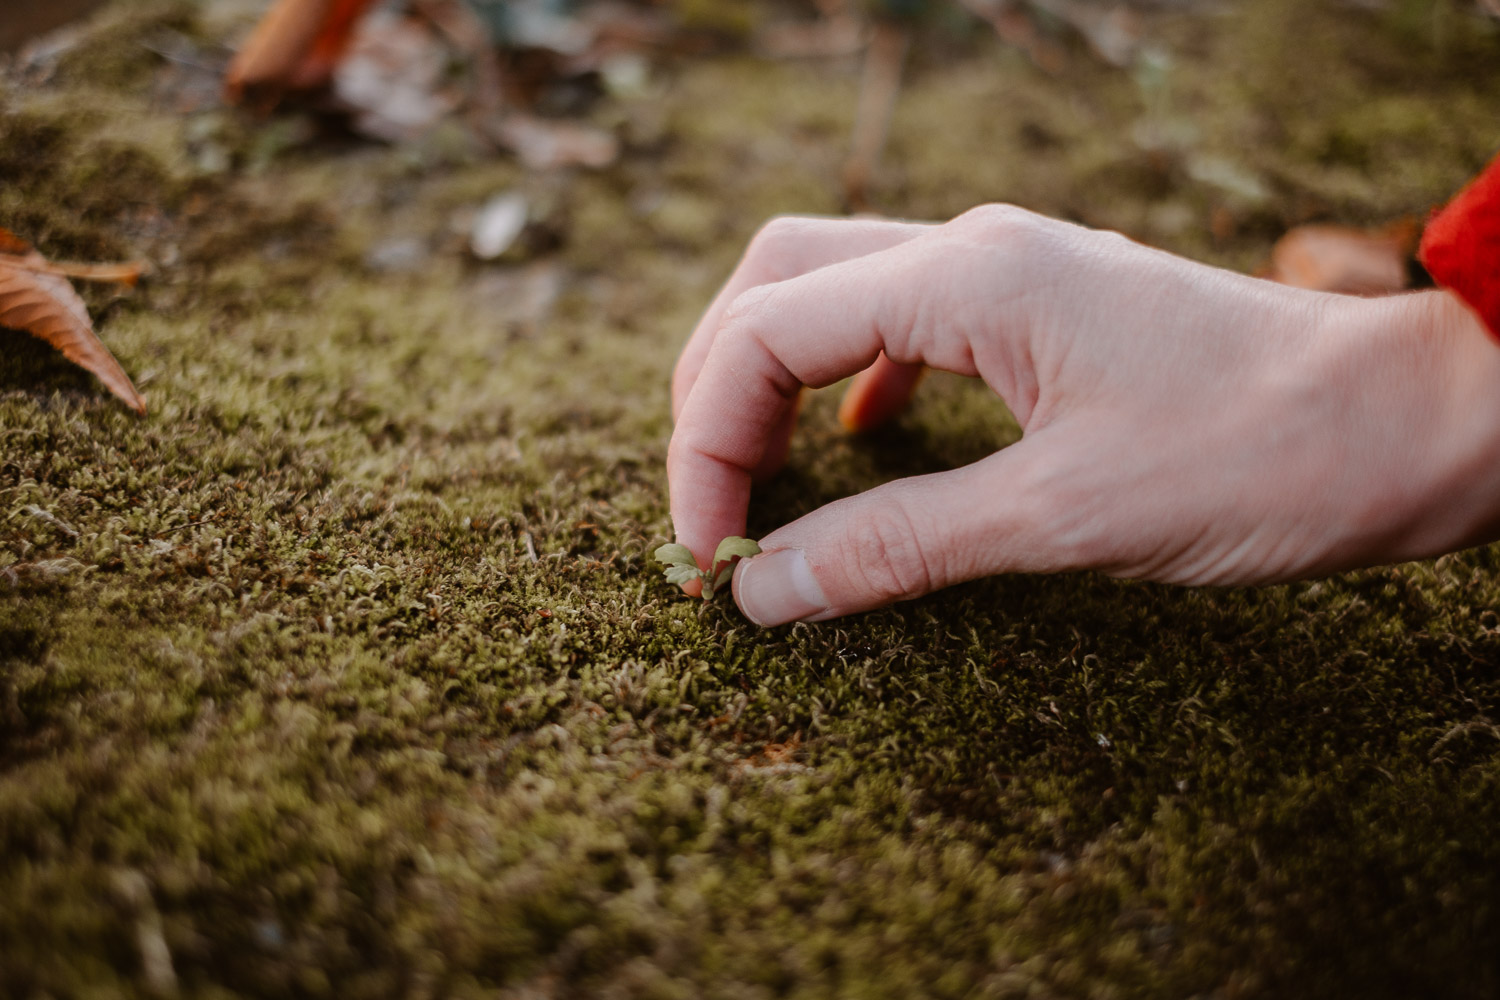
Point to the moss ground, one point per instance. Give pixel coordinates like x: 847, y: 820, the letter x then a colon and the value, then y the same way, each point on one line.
x: 346, y: 672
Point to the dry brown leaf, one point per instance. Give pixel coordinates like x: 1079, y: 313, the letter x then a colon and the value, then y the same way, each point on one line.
x: 128, y: 273
x: 1329, y: 258
x: 26, y: 255
x: 468, y: 36
x: 12, y: 244
x: 390, y: 68
x: 392, y: 78
x: 274, y: 50
x: 294, y: 47
x: 36, y: 299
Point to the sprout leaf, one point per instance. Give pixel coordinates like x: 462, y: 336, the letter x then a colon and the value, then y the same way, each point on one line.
x: 680, y: 574
x: 681, y: 568
x: 733, y: 546
x: 671, y: 553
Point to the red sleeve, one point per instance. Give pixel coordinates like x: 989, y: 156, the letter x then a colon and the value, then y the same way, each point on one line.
x: 1461, y: 246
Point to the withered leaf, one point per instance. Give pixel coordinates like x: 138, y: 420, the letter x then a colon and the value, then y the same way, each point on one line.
x: 391, y: 78
x: 36, y: 298
x: 294, y: 47
x: 1329, y: 258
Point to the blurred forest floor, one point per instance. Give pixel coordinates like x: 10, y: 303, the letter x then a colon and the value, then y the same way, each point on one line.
x: 346, y: 670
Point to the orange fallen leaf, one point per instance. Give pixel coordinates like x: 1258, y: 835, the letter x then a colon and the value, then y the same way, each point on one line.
x: 36, y: 298
x: 1329, y: 258
x: 12, y: 244
x: 126, y: 274
x: 332, y: 39
x: 294, y: 47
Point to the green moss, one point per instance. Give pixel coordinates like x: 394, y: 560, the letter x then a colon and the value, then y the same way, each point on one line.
x: 347, y: 671
x: 731, y: 18
x: 121, y: 47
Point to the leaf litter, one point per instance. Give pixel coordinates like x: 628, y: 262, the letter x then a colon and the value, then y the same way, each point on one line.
x: 398, y: 71
x: 393, y: 79
x: 37, y: 298
x: 295, y: 46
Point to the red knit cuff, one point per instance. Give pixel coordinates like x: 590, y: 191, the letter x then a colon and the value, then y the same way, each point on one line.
x: 1461, y: 246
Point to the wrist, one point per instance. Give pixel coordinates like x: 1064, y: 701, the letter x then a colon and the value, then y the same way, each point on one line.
x: 1449, y: 405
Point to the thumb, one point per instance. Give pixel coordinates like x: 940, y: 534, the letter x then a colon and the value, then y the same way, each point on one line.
x: 898, y: 541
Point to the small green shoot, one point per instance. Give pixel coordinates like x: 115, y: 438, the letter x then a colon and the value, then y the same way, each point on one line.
x: 681, y: 567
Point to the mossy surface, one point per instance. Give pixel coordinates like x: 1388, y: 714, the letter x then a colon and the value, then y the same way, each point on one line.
x: 347, y: 672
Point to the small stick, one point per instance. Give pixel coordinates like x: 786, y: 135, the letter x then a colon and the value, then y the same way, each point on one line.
x: 879, y: 85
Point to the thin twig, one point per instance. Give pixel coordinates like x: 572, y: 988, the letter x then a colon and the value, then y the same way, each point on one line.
x: 878, y: 88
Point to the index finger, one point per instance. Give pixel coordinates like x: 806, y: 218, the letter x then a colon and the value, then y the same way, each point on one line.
x: 810, y: 330
x: 786, y: 247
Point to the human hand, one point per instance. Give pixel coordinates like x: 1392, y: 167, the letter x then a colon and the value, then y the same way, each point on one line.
x: 1182, y: 423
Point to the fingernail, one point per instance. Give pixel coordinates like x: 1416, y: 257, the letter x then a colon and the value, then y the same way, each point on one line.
x: 779, y: 587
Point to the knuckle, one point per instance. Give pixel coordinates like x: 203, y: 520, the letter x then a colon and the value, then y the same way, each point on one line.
x: 1103, y: 248
x: 886, y: 555
x: 676, y: 453
x: 1008, y: 236
x: 1002, y: 240
x: 998, y: 221
x: 687, y: 448
x: 774, y: 248
x: 741, y: 317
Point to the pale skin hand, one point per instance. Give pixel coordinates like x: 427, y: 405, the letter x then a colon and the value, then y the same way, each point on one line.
x: 1182, y: 423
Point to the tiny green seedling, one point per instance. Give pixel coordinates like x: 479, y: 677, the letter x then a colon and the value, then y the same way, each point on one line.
x: 682, y: 568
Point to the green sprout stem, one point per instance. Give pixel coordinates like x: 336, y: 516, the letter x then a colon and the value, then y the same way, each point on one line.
x: 680, y: 567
